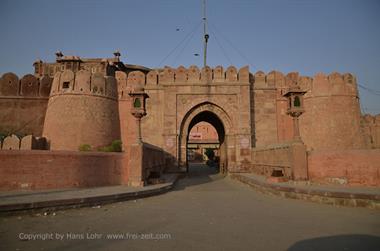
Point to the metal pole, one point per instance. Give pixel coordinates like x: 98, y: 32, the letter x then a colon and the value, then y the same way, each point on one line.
x: 205, y: 35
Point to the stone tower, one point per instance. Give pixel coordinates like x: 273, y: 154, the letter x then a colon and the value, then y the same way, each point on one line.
x: 82, y: 109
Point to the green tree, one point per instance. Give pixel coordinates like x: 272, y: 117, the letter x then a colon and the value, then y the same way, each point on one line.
x: 210, y: 153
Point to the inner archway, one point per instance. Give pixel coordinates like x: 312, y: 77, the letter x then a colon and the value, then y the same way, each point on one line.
x: 218, y: 119
x: 203, y: 144
x: 205, y: 137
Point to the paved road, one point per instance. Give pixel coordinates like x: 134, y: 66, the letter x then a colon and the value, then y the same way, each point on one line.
x: 204, y: 212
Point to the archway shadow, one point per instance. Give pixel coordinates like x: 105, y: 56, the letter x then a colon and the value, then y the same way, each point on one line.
x: 352, y: 242
x: 199, y: 173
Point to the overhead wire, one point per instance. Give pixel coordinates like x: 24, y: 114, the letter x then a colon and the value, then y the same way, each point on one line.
x: 186, y: 44
x: 180, y: 43
x: 374, y: 92
x: 230, y: 43
x: 221, y: 47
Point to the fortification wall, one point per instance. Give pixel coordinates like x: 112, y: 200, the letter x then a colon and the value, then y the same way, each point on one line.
x: 174, y: 92
x: 332, y: 117
x: 345, y: 167
x: 29, y: 142
x: 23, y: 103
x: 370, y: 126
x: 164, y: 85
x: 264, y: 110
x: 193, y: 75
x: 61, y: 169
x: 332, y: 112
x: 82, y: 109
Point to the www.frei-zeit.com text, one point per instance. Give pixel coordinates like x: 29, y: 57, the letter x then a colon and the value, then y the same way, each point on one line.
x: 93, y: 236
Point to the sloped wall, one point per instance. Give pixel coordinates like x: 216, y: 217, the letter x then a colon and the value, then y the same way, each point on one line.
x: 82, y: 109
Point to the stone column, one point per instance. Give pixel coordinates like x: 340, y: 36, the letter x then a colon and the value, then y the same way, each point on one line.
x: 299, y: 157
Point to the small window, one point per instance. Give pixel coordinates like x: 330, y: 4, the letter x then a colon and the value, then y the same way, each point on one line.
x: 66, y: 85
x: 297, y: 102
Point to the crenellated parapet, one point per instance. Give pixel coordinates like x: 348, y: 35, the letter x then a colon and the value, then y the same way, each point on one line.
x: 334, y: 84
x: 27, y: 86
x: 182, y: 75
x: 84, y: 82
x: 28, y: 142
x: 320, y: 84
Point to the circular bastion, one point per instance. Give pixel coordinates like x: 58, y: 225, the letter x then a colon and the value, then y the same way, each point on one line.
x: 82, y: 109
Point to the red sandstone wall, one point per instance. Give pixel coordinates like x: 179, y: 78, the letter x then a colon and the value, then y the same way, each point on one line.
x: 23, y: 103
x: 264, y: 111
x: 203, y: 131
x: 73, y: 120
x: 352, y: 167
x: 289, y: 158
x: 60, y: 169
x: 86, y: 112
x: 128, y: 125
x: 265, y: 160
x: 370, y: 126
x: 332, y: 113
x: 22, y: 115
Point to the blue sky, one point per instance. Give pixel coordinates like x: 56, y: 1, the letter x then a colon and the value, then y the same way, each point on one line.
x: 308, y: 36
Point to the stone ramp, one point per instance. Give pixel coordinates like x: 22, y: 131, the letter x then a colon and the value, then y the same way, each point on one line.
x: 23, y: 201
x: 367, y: 197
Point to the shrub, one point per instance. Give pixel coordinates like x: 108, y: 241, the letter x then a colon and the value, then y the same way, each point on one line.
x: 2, y: 136
x: 84, y: 148
x: 105, y: 149
x: 114, y: 147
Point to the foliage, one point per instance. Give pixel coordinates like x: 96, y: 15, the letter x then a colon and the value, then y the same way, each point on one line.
x: 3, y: 135
x: 210, y: 153
x: 114, y: 147
x: 84, y: 148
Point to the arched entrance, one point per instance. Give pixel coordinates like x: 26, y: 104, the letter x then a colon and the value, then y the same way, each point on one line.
x: 219, y: 119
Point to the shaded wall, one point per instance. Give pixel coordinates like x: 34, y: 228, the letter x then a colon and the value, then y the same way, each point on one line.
x: 289, y: 159
x: 61, y: 169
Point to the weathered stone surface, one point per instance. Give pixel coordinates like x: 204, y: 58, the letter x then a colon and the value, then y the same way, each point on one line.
x: 9, y: 84
x: 29, y: 86
x: 11, y: 142
x: 29, y: 142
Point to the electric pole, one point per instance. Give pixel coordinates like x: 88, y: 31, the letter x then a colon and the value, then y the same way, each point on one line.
x: 205, y: 35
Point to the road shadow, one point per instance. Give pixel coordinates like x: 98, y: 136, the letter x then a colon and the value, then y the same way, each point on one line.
x: 354, y: 242
x: 199, y: 173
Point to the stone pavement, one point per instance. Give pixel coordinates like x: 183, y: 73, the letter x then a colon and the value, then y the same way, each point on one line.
x: 203, y: 211
x: 368, y: 197
x: 21, y: 201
